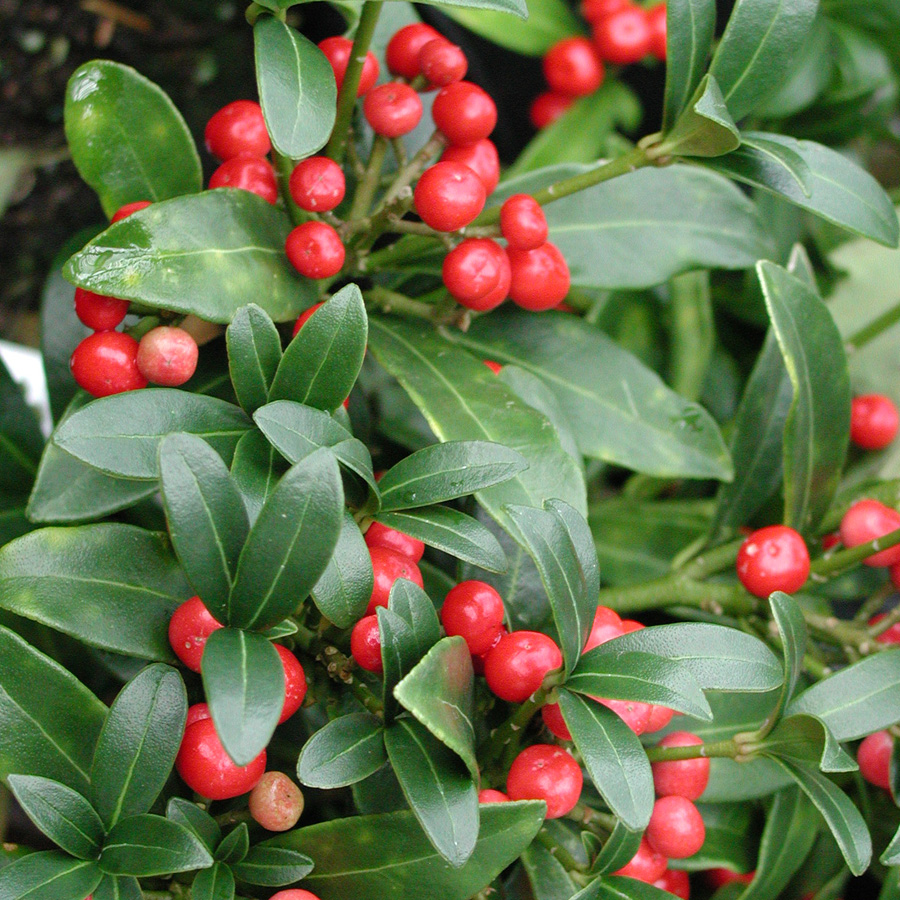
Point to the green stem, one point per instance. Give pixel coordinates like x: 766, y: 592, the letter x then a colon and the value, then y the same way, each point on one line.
x: 284, y: 166
x: 416, y: 166
x: 503, y: 735
x: 727, y: 749
x: 406, y: 248
x: 365, y: 190
x: 873, y: 329
x: 843, y: 633
x: 438, y: 314
x: 368, y: 19
x: 881, y: 626
x: 568, y: 862
x: 678, y: 590
x: 830, y: 566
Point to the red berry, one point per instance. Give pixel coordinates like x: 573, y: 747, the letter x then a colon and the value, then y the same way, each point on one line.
x: 276, y: 802
x: 675, y: 882
x: 874, y: 758
x: 167, y: 355
x: 464, y: 113
x: 379, y: 535
x: 294, y: 683
x: 392, y: 109
x: 98, y: 311
x: 472, y: 272
x: 105, y: 363
x: 523, y: 223
x: 448, y: 196
x: 315, y: 250
x: 633, y: 713
x: 629, y: 625
x: 773, y: 559
x: 656, y: 19
x: 294, y: 894
x: 516, y: 667
x: 388, y: 566
x: 548, y: 107
x: 248, y: 173
x: 481, y: 157
x: 892, y: 635
x: 623, y: 37
x: 682, y: 777
x: 442, y: 63
x: 488, y: 795
x: 196, y: 712
x: 676, y: 828
x: 546, y: 772
x: 337, y: 52
x: 207, y: 769
x: 660, y: 716
x: 478, y: 661
x: 402, y: 51
x: 720, y: 877
x: 556, y: 724
x: 571, y: 67
x: 867, y: 520
x: 607, y: 625
x: 190, y: 626
x: 596, y: 10
x: 646, y: 865
x: 474, y: 611
x: 494, y: 366
x: 317, y: 184
x: 303, y: 318
x: 238, y: 128
x: 365, y: 644
x: 540, y: 277
x: 873, y: 421
x: 123, y: 212
x: 501, y: 292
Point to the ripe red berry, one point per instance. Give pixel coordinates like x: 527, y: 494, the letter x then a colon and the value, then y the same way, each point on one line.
x: 294, y: 683
x: 238, y: 128
x: 481, y: 157
x: 474, y: 611
x: 464, y: 113
x: 540, y: 277
x: 379, y: 535
x: 571, y: 67
x: 488, y: 795
x: 303, y: 318
x: 294, y: 894
x: 190, y: 626
x: 402, y: 51
x: 276, y: 802
x: 493, y: 365
x: 676, y: 828
x: 546, y: 108
x: 675, y: 882
x: 867, y: 520
x: 392, y: 109
x: 554, y: 721
x: 596, y: 10
x: 105, y: 363
x: 317, y: 184
x: 720, y: 877
x: 98, y: 311
x: 656, y: 19
x: 633, y: 713
x: 167, y: 355
x: 365, y: 644
x: 448, y: 196
x: 247, y: 173
x: 892, y: 635
x: 388, y: 566
x: 623, y: 37
x: 478, y: 660
x: 207, y: 769
x: 660, y: 716
x: 549, y: 773
x: 123, y: 212
x: 337, y: 52
x: 773, y: 559
x: 516, y: 667
x: 682, y: 777
x: 874, y: 758
x: 646, y: 865
x: 606, y: 626
x: 442, y: 63
x: 874, y: 421
x: 523, y: 223
x: 472, y: 272
x: 196, y: 712
x: 315, y: 250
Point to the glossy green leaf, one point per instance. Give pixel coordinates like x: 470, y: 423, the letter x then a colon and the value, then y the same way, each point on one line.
x: 195, y: 819
x: 548, y: 878
x: 398, y: 655
x: 704, y: 128
x: 272, y: 866
x: 619, y: 849
x: 110, y: 585
x: 244, y: 684
x: 415, y: 607
x: 620, y: 410
x: 21, y: 441
x: 343, y: 590
x: 118, y: 887
x: 120, y: 435
x: 206, y: 517
x: 619, y: 887
x: 207, y: 255
x: 342, y: 753
x: 255, y: 470
x: 765, y: 164
x: 439, y: 693
x: 614, y: 758
x: 788, y: 618
x: 215, y: 883
x: 731, y: 838
x: 290, y: 544
x: 548, y: 21
x: 816, y: 432
x: 756, y: 52
x: 462, y: 400
x: 440, y: 792
x: 322, y: 362
x: 690, y: 25
x: 235, y: 845
x: 127, y: 139
x: 583, y: 542
x: 297, y: 90
x: 806, y: 738
x: 49, y: 721
x: 451, y: 531
x: 254, y: 352
x: 48, y: 876
x: 138, y: 744
x: 147, y: 845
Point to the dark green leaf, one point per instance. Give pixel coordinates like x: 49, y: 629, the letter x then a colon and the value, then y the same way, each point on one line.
x: 614, y: 758
x: 788, y: 618
x: 236, y: 242
x: 138, y: 745
x: 619, y: 887
x: 206, y: 517
x: 48, y: 876
x: 21, y: 441
x: 344, y: 588
x: 118, y: 887
x: 254, y: 352
x: 414, y: 606
x: 548, y: 878
x: 690, y: 25
x: 619, y: 849
x: 441, y: 793
x: 506, y: 6
x: 806, y: 738
x: 290, y: 544
x: 583, y: 542
x: 215, y: 883
x: 127, y: 139
x: 891, y: 854
x: 121, y: 434
x: 151, y: 845
x: 768, y: 165
x: 235, y: 845
x: 49, y: 721
x: 731, y: 839
x: 296, y: 88
x: 322, y: 362
x: 255, y: 469
x: 272, y: 866
x: 244, y: 683
x: 110, y: 585
x: 343, y: 752
x: 548, y: 21
x: 704, y: 127
x: 398, y: 655
x: 195, y: 819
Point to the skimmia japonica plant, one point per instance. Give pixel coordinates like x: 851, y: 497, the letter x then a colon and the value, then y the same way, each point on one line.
x: 368, y: 454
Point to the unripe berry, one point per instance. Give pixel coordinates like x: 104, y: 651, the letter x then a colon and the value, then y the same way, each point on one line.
x: 646, y: 865
x: 392, y: 109
x: 167, y: 355
x: 676, y: 828
x: 474, y: 270
x: 874, y: 758
x: 189, y: 628
x: 315, y: 250
x: 105, y: 363
x: 317, y: 184
x: 294, y: 683
x: 449, y: 196
x: 365, y: 644
x: 682, y: 777
x: 516, y: 667
x: 337, y: 52
x: 867, y: 520
x: 523, y: 223
x: 378, y: 535
x: 481, y: 157
x: 549, y: 773
x: 276, y: 802
x: 123, y: 212
x: 238, y: 128
x: 207, y: 769
x: 773, y: 559
x: 387, y: 567
x: 571, y: 67
x: 247, y: 173
x: 540, y: 277
x: 98, y: 311
x: 464, y: 113
x: 402, y: 51
x: 623, y: 37
x: 442, y: 63
x: 548, y: 107
x: 474, y: 611
x: 874, y: 421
